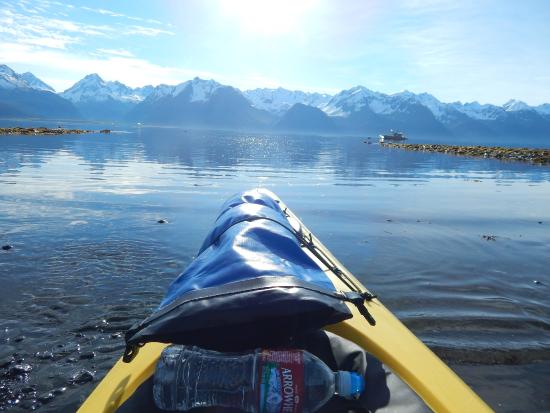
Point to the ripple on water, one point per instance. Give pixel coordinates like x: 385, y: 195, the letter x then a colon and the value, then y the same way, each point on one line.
x: 89, y: 258
x: 72, y: 318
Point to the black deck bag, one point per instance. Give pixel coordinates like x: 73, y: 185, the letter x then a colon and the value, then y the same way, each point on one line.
x: 251, y: 285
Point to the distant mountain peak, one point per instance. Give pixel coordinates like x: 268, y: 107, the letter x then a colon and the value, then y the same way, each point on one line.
x: 514, y: 105
x: 280, y: 100
x: 4, y: 69
x: 36, y: 83
x: 93, y: 76
x: 92, y: 88
x: 9, y: 79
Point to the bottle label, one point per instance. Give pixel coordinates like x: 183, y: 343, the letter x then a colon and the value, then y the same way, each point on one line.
x: 281, y: 374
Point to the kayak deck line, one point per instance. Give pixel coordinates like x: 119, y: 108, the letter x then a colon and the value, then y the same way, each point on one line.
x: 388, y: 340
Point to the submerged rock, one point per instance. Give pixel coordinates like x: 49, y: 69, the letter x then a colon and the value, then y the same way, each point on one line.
x: 87, y: 356
x: 81, y: 377
x: 18, y: 370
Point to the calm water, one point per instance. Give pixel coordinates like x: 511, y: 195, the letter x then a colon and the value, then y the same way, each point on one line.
x: 89, y: 258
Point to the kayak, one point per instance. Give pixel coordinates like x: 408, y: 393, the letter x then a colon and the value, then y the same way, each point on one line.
x: 370, y: 326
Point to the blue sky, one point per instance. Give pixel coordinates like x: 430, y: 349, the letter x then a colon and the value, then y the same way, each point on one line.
x: 484, y: 50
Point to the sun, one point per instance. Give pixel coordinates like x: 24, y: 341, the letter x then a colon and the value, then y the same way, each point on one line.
x: 268, y: 17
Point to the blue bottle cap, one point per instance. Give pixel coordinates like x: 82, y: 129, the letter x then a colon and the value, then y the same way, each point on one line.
x: 349, y: 384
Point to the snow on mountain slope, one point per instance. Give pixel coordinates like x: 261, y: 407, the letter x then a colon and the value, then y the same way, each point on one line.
x: 477, y: 111
x: 543, y: 109
x: 93, y: 88
x: 200, y: 90
x: 35, y: 83
x: 514, y: 105
x: 354, y: 99
x: 280, y: 100
x: 439, y: 110
x: 9, y: 79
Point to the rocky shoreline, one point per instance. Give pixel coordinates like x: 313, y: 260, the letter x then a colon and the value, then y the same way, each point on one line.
x: 535, y: 156
x: 48, y: 131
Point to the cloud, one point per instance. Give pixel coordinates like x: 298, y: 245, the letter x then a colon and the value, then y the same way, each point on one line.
x: 146, y: 31
x: 111, y: 13
x: 116, y: 52
x: 48, y: 32
x: 34, y: 25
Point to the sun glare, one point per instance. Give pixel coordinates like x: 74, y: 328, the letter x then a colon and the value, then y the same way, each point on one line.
x: 267, y: 17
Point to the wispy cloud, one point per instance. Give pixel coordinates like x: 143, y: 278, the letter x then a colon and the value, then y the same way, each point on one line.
x: 22, y: 23
x: 146, y: 31
x: 111, y: 13
x: 116, y: 52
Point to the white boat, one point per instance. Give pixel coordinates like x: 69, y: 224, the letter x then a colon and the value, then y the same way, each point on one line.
x: 392, y: 136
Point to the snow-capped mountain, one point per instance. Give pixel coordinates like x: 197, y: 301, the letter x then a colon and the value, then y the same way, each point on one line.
x: 200, y: 103
x: 514, y: 105
x: 199, y: 90
x: 93, y: 88
x: 9, y: 79
x: 25, y: 96
x: 358, y: 98
x: 280, y: 100
x: 207, y: 103
x: 543, y: 109
x: 477, y: 111
x: 35, y: 83
x: 353, y: 100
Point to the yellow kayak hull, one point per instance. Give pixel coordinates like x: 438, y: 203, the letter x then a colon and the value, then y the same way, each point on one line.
x: 389, y: 341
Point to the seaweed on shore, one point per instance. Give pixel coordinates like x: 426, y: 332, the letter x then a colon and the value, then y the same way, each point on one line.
x: 535, y: 156
x: 47, y: 131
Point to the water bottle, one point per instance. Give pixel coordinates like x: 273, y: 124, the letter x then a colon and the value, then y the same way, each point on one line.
x: 259, y: 381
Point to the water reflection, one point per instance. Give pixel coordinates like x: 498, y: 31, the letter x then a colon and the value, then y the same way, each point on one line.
x: 89, y: 257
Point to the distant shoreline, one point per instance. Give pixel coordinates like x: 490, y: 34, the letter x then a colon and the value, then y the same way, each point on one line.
x: 48, y: 131
x: 534, y: 156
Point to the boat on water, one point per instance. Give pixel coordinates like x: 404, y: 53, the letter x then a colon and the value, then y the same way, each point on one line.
x: 259, y: 275
x: 393, y: 136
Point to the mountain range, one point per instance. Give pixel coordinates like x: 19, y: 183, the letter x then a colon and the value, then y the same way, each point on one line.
x: 209, y: 104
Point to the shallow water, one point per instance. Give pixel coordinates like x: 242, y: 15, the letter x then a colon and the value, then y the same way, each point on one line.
x: 89, y: 257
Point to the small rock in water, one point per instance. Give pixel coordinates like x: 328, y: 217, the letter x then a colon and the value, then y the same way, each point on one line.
x: 7, y: 247
x: 162, y: 221
x: 58, y: 391
x: 540, y: 222
x: 19, y: 370
x: 46, y: 397
x: 81, y: 377
x: 19, y: 339
x: 87, y: 356
x: 43, y: 355
x: 28, y: 389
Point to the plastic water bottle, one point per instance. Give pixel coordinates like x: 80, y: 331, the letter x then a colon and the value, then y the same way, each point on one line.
x: 260, y: 381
